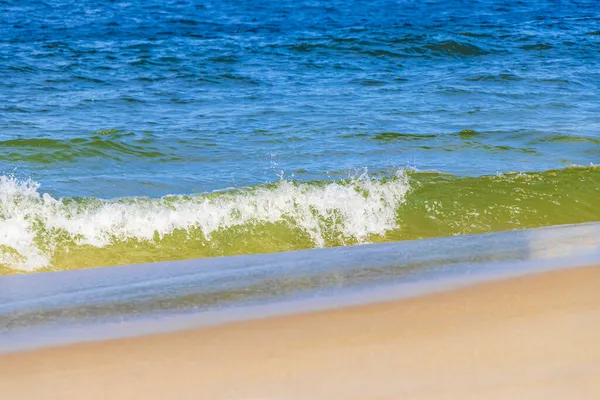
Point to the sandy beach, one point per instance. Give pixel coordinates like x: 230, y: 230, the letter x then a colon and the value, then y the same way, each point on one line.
x: 299, y: 199
x: 532, y: 337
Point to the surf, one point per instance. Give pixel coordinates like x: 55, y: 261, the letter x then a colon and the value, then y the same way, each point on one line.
x: 39, y: 232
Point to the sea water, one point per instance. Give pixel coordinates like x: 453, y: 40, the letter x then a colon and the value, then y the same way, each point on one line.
x: 138, y: 131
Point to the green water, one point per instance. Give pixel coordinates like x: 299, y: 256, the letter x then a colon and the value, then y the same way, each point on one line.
x: 76, y: 233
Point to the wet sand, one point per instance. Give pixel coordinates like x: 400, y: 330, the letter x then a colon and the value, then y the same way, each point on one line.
x: 532, y: 337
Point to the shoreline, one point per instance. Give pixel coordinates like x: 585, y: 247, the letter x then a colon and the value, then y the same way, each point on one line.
x: 531, y: 336
x: 59, y: 308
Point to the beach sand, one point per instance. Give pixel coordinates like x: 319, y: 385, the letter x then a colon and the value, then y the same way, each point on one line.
x: 531, y: 337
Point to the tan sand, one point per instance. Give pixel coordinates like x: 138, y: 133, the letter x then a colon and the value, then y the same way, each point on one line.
x: 533, y: 337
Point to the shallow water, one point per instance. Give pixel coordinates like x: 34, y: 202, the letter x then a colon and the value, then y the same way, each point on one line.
x: 102, y: 303
x: 284, y: 105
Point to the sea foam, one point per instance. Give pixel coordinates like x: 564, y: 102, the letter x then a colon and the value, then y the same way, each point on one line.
x: 33, y: 224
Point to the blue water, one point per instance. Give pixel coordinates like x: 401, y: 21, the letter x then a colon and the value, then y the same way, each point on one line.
x: 144, y: 98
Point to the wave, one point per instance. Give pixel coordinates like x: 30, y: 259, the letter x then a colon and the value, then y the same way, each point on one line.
x: 40, y: 232
x: 37, y: 230
x: 455, y: 49
x: 108, y: 144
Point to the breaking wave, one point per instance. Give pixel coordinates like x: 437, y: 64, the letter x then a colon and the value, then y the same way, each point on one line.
x: 40, y: 232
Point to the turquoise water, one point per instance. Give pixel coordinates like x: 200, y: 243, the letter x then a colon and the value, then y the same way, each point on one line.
x: 283, y: 125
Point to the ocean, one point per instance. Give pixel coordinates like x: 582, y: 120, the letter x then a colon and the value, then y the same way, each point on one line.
x: 141, y: 131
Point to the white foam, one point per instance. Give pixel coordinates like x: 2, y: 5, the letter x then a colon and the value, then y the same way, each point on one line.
x: 353, y: 209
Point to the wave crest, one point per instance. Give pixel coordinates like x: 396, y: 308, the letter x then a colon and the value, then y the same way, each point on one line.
x: 40, y: 232
x: 35, y: 226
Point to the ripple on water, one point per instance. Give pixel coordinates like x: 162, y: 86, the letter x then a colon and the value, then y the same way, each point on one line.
x: 335, y: 87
